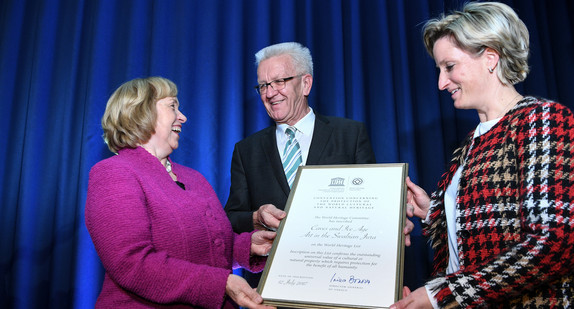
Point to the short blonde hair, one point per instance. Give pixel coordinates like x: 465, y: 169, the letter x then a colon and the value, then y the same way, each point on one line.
x: 130, y: 115
x: 482, y: 25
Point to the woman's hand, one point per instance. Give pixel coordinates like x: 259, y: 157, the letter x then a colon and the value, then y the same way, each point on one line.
x: 407, y: 231
x: 261, y: 242
x: 415, y: 300
x: 418, y: 201
x: 244, y: 295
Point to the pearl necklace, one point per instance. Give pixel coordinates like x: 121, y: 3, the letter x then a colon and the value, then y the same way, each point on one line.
x: 168, y: 169
x: 168, y: 166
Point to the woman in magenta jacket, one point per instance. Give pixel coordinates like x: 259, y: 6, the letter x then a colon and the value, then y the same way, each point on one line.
x: 158, y: 227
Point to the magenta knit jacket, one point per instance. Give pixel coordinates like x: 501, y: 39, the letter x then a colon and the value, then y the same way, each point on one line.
x: 161, y: 246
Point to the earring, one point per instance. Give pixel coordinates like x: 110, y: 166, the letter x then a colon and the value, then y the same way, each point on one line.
x: 490, y: 70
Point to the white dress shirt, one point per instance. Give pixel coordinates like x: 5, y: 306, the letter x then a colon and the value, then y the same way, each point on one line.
x: 304, y: 135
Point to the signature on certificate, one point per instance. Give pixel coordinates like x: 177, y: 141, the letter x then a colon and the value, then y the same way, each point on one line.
x: 349, y: 279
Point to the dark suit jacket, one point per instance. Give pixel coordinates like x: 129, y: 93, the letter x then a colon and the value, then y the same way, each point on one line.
x: 257, y: 175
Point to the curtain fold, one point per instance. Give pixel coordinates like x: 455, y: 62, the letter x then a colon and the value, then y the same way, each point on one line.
x: 60, y: 60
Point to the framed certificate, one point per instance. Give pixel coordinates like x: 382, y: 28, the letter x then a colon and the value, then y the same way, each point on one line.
x: 341, y: 244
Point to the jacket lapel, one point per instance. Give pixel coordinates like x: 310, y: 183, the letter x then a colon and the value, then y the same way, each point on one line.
x: 321, y: 134
x: 269, y: 144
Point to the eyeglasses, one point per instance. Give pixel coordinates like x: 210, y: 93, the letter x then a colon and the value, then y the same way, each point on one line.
x: 277, y: 84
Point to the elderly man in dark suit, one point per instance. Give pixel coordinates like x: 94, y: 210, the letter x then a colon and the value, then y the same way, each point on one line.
x: 263, y: 164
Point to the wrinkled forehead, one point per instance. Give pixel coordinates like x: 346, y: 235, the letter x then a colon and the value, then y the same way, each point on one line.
x: 168, y: 101
x: 274, y: 68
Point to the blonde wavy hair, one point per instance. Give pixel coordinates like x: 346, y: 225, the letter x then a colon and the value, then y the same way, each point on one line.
x: 482, y: 25
x: 130, y: 115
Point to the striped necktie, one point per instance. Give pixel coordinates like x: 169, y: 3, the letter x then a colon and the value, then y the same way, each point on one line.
x: 291, y: 156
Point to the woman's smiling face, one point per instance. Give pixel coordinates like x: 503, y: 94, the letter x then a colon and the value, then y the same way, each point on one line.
x: 167, y: 128
x: 462, y: 74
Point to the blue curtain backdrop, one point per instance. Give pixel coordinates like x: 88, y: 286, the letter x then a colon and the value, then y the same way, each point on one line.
x: 60, y: 60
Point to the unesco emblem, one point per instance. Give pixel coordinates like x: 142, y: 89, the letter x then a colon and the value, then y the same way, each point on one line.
x: 337, y: 182
x: 357, y: 181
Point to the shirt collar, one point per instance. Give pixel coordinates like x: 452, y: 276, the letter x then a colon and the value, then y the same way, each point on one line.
x: 305, y: 125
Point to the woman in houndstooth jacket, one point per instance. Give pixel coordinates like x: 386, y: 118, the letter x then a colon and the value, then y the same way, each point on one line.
x: 501, y: 221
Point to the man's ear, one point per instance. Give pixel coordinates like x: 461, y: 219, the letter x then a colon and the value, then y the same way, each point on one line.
x: 307, y: 83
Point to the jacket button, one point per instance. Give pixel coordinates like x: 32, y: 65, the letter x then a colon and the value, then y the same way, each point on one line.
x: 462, y: 182
x: 465, y: 234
